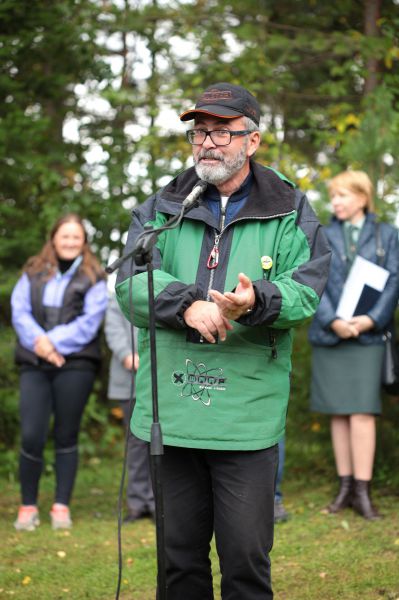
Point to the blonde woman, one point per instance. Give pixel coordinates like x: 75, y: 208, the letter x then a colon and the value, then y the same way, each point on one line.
x: 347, y: 354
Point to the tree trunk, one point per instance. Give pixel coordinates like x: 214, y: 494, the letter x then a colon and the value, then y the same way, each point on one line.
x: 371, y: 29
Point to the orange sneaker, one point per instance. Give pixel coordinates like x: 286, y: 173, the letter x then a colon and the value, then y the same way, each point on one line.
x: 60, y: 516
x: 28, y: 518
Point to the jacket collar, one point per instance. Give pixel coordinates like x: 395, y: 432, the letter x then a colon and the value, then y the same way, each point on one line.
x: 337, y: 237
x: 269, y: 195
x: 69, y: 273
x: 367, y: 229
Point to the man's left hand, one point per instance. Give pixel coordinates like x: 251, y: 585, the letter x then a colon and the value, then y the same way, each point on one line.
x: 234, y: 305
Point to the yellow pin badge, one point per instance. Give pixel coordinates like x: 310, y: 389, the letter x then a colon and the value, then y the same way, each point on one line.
x: 266, y: 262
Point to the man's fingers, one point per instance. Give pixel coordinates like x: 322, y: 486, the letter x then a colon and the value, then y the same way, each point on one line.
x: 221, y: 329
x: 203, y: 329
x: 220, y: 326
x: 209, y: 318
x: 245, y: 284
x: 231, y: 305
x: 216, y: 295
x: 232, y: 298
x: 214, y: 326
x: 228, y: 301
x: 219, y: 299
x: 223, y: 325
x: 227, y: 323
x: 244, y: 280
x: 236, y: 299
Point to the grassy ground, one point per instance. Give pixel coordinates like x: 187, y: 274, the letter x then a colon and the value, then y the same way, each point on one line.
x: 315, y: 556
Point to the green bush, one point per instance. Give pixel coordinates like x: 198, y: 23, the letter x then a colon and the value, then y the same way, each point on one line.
x: 9, y: 420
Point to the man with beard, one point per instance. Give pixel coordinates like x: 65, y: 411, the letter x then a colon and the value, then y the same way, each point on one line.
x: 241, y: 269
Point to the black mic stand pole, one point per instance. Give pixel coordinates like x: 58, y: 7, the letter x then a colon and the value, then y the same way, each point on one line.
x: 143, y: 256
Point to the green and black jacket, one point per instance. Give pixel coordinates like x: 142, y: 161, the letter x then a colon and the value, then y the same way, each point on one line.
x: 231, y: 395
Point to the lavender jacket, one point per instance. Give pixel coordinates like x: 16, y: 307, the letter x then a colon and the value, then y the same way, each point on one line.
x: 68, y: 338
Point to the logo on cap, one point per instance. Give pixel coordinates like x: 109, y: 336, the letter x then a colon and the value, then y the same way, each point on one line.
x: 214, y: 95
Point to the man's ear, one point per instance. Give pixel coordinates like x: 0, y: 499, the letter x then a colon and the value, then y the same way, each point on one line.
x: 254, y: 142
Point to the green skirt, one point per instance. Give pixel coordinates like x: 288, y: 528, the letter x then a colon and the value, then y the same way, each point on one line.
x: 346, y: 379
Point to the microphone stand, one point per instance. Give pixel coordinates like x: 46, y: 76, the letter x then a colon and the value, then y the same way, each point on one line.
x: 143, y: 254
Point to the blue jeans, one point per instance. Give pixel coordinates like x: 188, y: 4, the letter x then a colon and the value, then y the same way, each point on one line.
x: 281, y: 459
x: 231, y: 494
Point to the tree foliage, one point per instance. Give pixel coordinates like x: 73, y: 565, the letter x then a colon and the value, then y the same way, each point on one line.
x: 46, y: 49
x: 111, y: 70
x: 90, y: 91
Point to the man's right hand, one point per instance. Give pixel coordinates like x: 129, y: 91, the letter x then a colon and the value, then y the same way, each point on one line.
x: 207, y: 319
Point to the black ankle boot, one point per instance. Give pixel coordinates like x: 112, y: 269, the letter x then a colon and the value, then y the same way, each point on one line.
x: 344, y: 497
x: 361, y: 501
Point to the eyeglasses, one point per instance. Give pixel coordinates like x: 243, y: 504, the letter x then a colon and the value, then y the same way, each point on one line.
x: 220, y: 137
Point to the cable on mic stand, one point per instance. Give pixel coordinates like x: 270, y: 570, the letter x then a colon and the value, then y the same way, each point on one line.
x: 142, y: 255
x: 127, y: 437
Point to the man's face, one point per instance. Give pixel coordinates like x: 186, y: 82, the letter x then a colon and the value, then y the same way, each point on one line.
x: 217, y: 164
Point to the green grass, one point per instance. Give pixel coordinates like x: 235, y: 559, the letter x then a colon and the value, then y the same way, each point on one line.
x: 315, y: 556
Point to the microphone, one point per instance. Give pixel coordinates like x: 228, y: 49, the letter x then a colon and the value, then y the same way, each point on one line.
x: 148, y: 237
x: 195, y: 193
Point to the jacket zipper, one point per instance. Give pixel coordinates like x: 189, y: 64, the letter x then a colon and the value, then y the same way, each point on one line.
x: 272, y: 343
x: 213, y: 261
x: 213, y: 258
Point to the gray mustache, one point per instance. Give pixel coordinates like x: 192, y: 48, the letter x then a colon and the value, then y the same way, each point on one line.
x: 210, y: 154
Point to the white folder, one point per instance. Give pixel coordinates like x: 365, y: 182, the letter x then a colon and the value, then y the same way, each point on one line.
x: 363, y: 286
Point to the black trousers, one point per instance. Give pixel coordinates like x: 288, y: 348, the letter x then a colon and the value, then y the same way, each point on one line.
x: 139, y: 494
x: 228, y: 493
x: 64, y: 394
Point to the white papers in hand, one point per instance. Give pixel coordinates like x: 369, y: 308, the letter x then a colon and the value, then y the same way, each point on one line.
x: 364, y: 284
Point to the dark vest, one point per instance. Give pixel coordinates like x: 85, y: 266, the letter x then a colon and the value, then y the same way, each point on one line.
x: 72, y: 307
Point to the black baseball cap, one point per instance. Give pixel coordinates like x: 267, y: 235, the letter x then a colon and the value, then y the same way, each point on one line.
x: 227, y: 101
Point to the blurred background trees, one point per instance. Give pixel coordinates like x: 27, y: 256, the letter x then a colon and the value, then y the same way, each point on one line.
x: 90, y: 91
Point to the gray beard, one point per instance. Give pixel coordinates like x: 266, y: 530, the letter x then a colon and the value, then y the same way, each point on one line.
x: 226, y: 168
